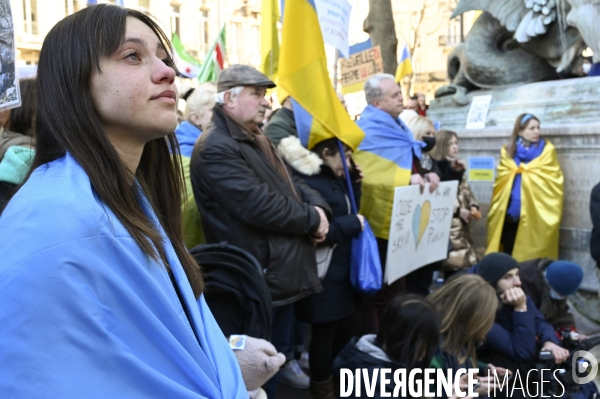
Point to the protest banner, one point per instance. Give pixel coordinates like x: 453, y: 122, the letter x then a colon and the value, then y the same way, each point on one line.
x: 334, y: 19
x: 420, y: 228
x: 10, y: 95
x: 360, y: 66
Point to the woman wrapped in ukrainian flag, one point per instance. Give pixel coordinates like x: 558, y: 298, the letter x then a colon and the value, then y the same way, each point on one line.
x: 526, y: 209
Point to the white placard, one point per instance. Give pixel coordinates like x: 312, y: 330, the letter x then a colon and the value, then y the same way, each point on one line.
x: 477, y: 115
x: 420, y: 228
x: 334, y: 18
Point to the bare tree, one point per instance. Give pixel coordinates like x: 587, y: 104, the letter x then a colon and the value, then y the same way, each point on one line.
x: 427, y: 10
x: 380, y: 26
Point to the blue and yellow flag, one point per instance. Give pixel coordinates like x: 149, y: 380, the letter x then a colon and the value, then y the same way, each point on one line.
x: 404, y: 66
x: 303, y: 74
x: 541, y: 205
x: 269, y: 39
x: 386, y: 158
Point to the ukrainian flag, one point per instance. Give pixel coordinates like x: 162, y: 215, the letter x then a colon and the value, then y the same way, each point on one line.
x: 303, y: 74
x: 269, y: 38
x: 386, y: 158
x: 404, y: 66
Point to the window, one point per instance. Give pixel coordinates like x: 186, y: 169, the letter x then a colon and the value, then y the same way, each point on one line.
x: 31, y: 16
x: 69, y: 9
x: 203, y: 31
x: 175, y: 20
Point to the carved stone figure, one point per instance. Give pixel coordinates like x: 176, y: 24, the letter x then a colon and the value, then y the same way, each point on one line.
x: 513, y: 42
x: 585, y: 16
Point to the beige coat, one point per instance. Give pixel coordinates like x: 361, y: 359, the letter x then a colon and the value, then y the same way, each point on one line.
x: 462, y: 255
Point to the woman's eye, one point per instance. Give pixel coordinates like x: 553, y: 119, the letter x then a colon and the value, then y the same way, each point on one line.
x: 134, y: 55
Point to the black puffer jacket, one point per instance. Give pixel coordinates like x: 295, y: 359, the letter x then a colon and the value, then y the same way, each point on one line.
x: 245, y: 201
x: 338, y: 299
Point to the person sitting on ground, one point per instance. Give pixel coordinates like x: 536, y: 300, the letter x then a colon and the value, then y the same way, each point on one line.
x: 518, y: 326
x: 408, y: 336
x: 467, y: 304
x: 548, y: 283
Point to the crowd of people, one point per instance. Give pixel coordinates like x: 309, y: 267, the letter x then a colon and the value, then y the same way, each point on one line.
x: 108, y: 201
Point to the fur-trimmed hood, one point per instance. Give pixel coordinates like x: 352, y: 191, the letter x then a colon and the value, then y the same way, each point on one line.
x: 298, y: 157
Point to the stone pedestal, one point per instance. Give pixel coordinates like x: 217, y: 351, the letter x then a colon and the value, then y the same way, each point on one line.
x: 569, y: 111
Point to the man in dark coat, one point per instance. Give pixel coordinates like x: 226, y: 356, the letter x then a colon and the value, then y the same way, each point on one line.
x: 513, y: 340
x: 248, y: 197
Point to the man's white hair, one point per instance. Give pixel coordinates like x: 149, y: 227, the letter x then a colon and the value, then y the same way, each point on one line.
x: 372, y: 89
x: 234, y: 92
x: 201, y: 99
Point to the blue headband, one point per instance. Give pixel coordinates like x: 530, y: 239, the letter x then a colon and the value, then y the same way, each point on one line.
x: 525, y: 118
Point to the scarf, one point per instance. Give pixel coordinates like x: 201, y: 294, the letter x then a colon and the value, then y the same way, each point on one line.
x: 266, y: 147
x: 522, y: 155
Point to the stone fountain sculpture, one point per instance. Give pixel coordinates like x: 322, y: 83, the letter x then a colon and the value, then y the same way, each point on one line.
x: 513, y: 42
x: 513, y: 54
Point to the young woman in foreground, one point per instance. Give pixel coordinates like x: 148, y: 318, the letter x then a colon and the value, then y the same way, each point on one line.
x: 99, y: 297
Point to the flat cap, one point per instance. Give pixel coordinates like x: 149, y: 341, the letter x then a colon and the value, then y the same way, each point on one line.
x: 242, y: 75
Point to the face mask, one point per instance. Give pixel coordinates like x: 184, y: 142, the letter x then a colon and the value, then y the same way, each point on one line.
x: 429, y: 143
x: 587, y: 68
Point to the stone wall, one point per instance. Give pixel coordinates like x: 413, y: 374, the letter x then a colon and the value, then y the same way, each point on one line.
x: 570, y: 119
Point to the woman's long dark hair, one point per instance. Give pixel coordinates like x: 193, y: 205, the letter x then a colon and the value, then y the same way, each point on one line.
x: 68, y: 122
x: 409, y: 331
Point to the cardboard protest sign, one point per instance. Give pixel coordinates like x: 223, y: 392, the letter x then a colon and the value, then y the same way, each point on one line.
x: 10, y: 95
x: 361, y: 66
x: 420, y: 228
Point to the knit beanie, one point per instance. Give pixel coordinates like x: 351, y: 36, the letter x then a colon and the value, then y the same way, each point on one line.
x: 564, y: 277
x: 259, y: 361
x: 495, y: 265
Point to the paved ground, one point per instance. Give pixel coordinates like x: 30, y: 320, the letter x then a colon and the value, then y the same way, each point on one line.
x: 285, y: 392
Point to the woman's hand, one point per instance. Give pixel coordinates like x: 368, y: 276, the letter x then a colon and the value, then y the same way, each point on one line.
x: 458, y: 165
x: 359, y: 173
x: 465, y: 215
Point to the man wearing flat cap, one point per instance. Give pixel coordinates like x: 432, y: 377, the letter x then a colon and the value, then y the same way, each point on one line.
x: 249, y: 198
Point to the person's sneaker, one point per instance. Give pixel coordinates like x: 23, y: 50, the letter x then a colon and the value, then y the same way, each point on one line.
x: 303, y: 361
x: 291, y: 374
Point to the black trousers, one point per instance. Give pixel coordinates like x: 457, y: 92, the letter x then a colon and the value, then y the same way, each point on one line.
x: 509, y: 234
x: 327, y: 341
